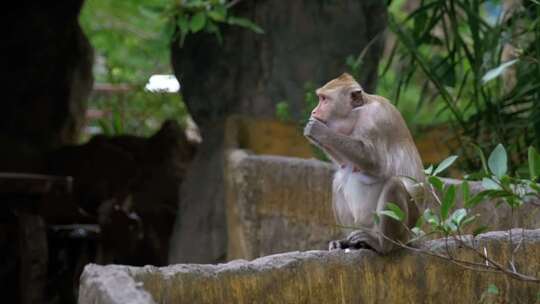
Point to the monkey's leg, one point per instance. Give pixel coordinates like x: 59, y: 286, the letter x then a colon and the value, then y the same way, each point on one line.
x: 394, y: 192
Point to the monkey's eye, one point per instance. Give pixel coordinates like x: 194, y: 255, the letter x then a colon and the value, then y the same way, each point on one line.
x: 323, y: 98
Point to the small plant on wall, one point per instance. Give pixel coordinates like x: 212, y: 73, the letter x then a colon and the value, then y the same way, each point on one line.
x: 451, y: 212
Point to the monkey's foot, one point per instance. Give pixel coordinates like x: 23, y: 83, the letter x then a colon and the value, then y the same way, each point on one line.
x: 337, y: 244
x: 358, y: 240
x: 355, y: 240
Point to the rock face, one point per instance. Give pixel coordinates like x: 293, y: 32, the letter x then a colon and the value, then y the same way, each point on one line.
x: 279, y: 204
x: 323, y: 277
x: 249, y: 74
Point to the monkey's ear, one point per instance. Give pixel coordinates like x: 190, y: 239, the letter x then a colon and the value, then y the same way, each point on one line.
x: 357, y: 98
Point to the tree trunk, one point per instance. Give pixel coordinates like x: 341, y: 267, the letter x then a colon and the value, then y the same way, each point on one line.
x: 47, y: 69
x: 304, y: 41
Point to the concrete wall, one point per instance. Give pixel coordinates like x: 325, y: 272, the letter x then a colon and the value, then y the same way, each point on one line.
x: 278, y: 204
x: 323, y: 277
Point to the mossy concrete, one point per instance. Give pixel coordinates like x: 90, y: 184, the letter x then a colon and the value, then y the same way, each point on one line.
x: 325, y: 277
x: 277, y: 204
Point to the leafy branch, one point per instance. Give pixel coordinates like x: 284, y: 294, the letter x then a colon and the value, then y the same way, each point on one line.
x: 194, y: 16
x: 449, y: 222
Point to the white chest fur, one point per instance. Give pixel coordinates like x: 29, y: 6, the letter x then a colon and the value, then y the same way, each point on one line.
x: 354, y: 194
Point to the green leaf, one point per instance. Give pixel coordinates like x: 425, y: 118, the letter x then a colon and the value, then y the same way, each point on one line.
x: 492, y: 289
x: 479, y: 230
x: 465, y: 190
x: 448, y: 201
x: 445, y: 164
x: 535, y: 186
x: 458, y: 216
x: 394, y: 212
x: 476, y: 199
x: 450, y: 226
x: 431, y: 218
x: 419, y: 222
x: 496, y: 72
x: 183, y: 24
x: 390, y: 214
x: 436, y: 182
x: 283, y: 112
x: 243, y: 22
x: 482, y: 158
x: 490, y: 184
x: 428, y: 170
x: 376, y: 218
x: 418, y: 232
x: 497, y: 161
x: 534, y: 163
x: 198, y: 21
x: 218, y: 13
x: 468, y: 220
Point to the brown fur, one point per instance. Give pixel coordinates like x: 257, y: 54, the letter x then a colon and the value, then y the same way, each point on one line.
x: 368, y: 139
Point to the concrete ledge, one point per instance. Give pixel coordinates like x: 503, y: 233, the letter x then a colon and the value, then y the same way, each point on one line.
x: 111, y: 284
x: 322, y: 277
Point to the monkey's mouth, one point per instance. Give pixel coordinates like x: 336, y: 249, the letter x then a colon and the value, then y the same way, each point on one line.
x: 319, y: 119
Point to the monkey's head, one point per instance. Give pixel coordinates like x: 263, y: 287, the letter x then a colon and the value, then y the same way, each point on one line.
x: 337, y: 100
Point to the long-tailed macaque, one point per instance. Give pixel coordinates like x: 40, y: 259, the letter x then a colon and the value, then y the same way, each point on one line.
x: 366, y: 137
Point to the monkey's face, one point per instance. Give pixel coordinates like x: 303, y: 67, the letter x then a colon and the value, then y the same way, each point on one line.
x: 337, y: 100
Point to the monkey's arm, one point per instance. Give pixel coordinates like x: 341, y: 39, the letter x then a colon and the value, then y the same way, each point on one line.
x: 345, y: 147
x: 329, y: 153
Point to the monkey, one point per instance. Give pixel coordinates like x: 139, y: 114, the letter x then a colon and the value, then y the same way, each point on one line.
x: 377, y: 162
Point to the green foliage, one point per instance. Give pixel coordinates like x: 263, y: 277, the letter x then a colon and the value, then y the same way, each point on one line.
x: 534, y: 163
x: 498, y: 161
x: 194, y: 16
x: 444, y: 164
x: 490, y: 295
x: 133, y: 37
x: 132, y: 41
x: 492, y: 289
x: 282, y: 111
x: 482, y: 68
x: 129, y: 39
x: 498, y: 186
x: 135, y: 112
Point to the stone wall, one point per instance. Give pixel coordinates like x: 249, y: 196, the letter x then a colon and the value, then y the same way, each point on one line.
x: 323, y: 277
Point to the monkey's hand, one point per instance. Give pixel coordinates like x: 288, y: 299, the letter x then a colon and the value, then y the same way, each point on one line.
x: 316, y: 131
